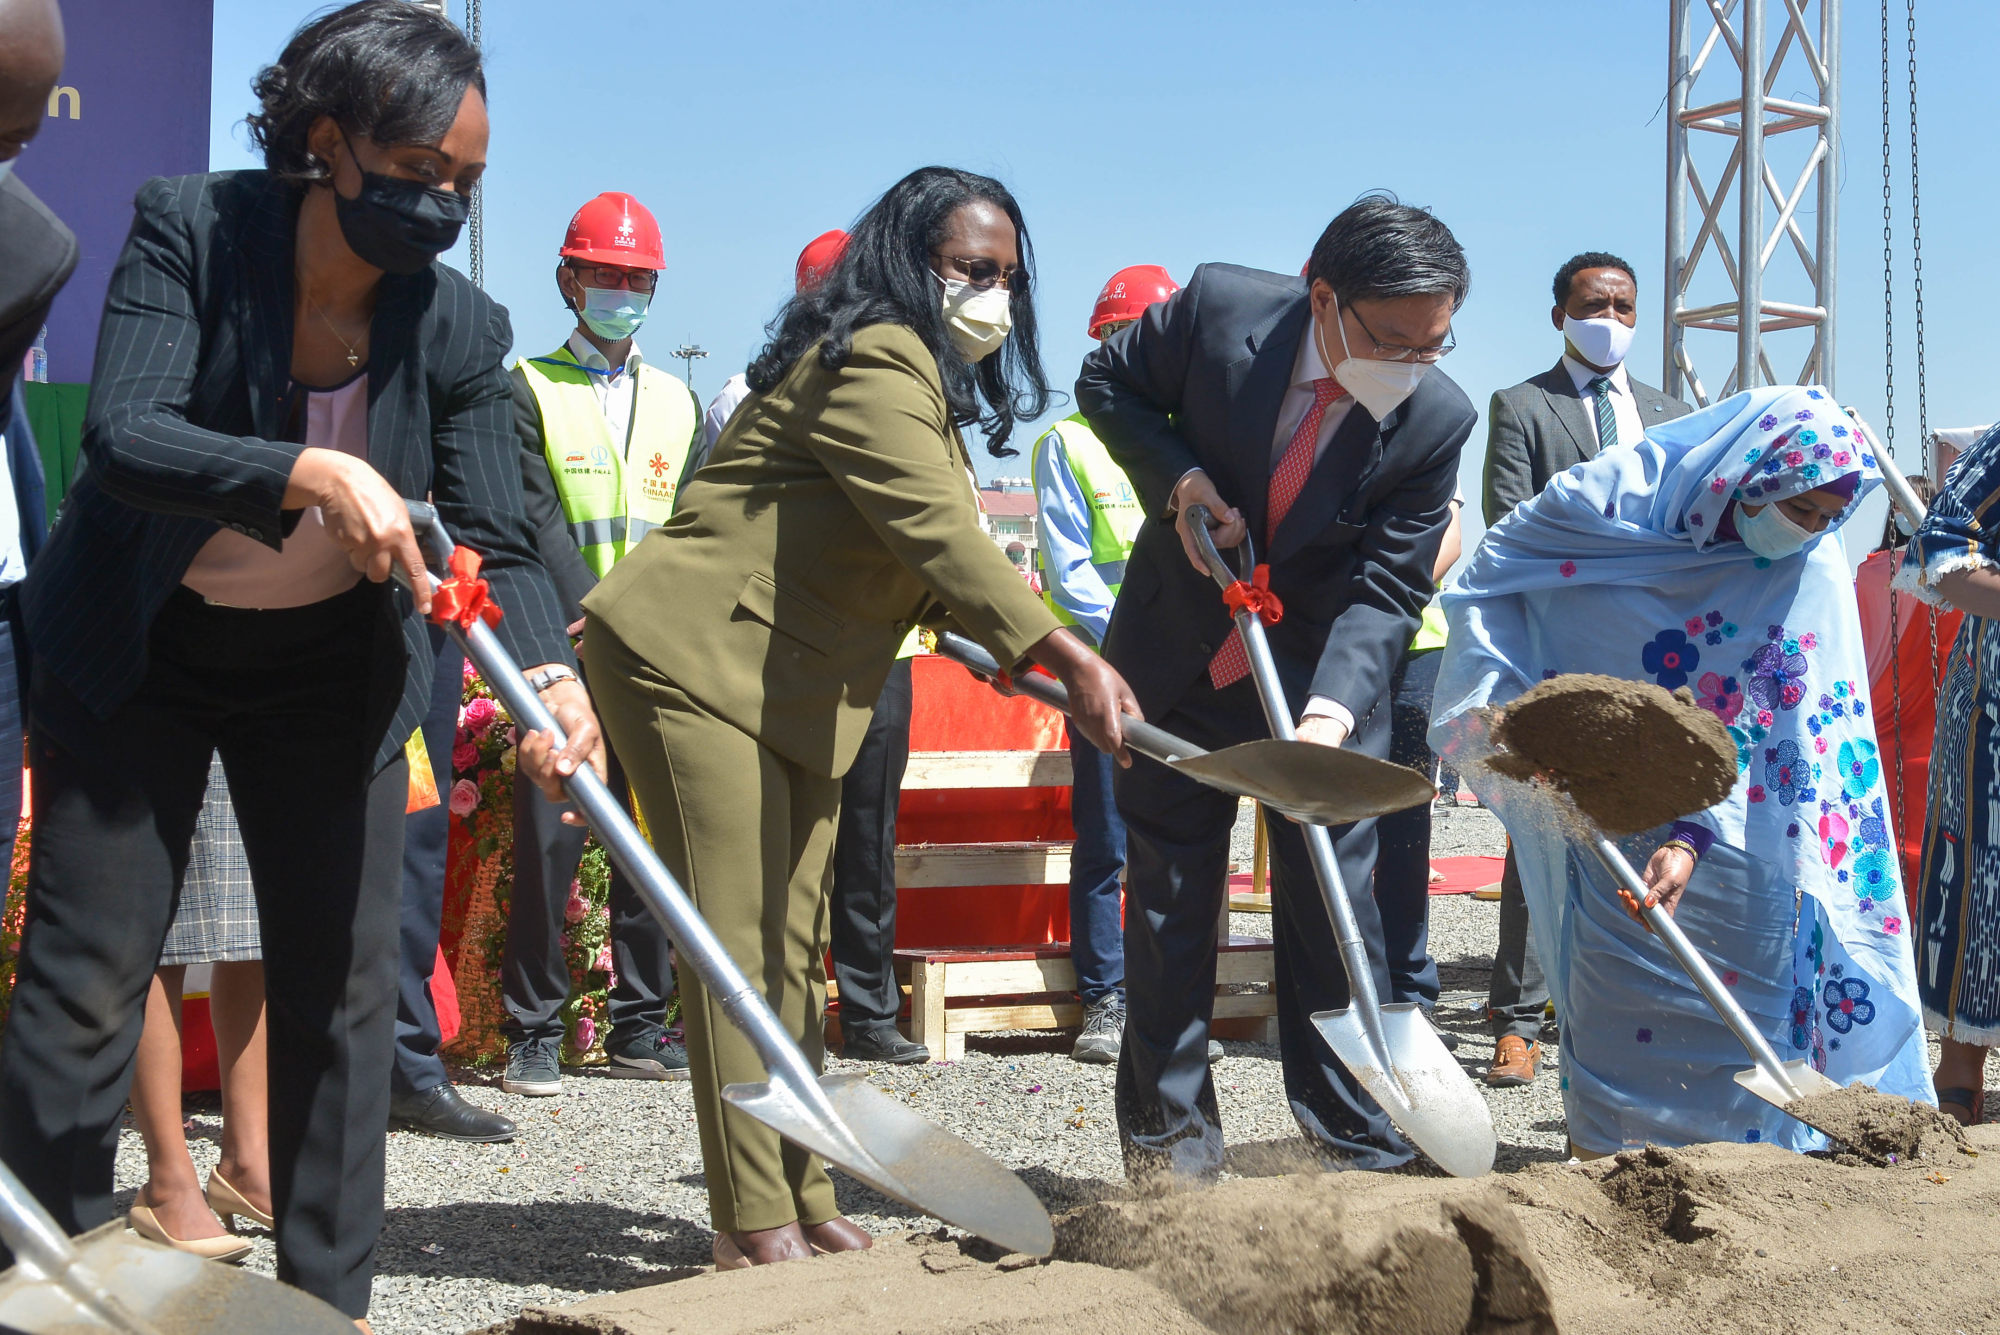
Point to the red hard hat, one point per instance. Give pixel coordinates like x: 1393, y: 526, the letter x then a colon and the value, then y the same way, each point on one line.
x: 816, y: 261
x: 615, y: 229
x: 1129, y: 292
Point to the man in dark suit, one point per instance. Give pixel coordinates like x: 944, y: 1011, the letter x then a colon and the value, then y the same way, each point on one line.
x: 1306, y: 414
x: 37, y: 256
x: 1583, y: 405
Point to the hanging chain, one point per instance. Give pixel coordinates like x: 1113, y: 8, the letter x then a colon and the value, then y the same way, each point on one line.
x: 1917, y: 254
x: 476, y: 238
x: 1889, y: 403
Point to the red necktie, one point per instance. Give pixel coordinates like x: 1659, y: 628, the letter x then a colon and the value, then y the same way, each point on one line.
x: 1231, y: 663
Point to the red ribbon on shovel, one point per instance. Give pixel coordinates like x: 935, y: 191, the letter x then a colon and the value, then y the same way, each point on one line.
x: 464, y: 598
x: 1256, y: 596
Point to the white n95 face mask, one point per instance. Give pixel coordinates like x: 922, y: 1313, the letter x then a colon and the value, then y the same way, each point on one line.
x: 1771, y: 533
x: 1603, y: 341
x: 1380, y: 387
x: 978, y: 319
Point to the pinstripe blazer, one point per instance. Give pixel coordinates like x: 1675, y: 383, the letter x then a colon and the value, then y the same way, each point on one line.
x: 188, y: 399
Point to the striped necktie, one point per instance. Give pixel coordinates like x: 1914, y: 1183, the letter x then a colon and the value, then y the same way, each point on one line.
x: 1231, y: 663
x: 1607, y: 417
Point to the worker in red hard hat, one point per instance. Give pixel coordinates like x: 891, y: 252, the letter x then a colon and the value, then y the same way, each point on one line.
x: 608, y: 438
x: 1088, y: 516
x: 815, y: 262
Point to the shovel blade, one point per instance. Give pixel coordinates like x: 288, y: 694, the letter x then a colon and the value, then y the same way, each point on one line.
x: 169, y: 1291
x: 880, y: 1141
x: 1426, y: 1093
x: 1804, y: 1078
x: 1322, y: 785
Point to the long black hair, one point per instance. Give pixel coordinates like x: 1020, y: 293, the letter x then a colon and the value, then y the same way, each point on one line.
x: 885, y: 277
x: 388, y: 70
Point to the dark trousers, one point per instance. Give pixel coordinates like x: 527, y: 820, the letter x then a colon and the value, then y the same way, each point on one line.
x: 534, y: 976
x: 1403, y: 864
x: 426, y: 832
x: 288, y: 698
x: 1518, y: 994
x: 864, y: 864
x: 1096, y: 865
x: 10, y: 743
x: 1178, y: 843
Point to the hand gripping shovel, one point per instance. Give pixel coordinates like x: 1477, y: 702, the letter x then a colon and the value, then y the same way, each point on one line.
x: 841, y: 1118
x: 1305, y: 782
x: 1775, y: 1082
x: 109, y: 1280
x: 1392, y: 1050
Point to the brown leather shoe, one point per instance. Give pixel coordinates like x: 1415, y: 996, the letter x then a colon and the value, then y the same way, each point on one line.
x: 1514, y: 1062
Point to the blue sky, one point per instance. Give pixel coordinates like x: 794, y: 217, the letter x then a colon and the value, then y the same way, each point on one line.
x: 1175, y: 133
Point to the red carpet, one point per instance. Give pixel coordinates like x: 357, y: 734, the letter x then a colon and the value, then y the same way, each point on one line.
x: 1461, y: 876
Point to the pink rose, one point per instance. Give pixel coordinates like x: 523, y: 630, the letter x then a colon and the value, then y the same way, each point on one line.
x: 586, y: 1033
x: 574, y: 911
x: 464, y: 757
x: 512, y: 736
x: 470, y: 674
x: 603, y: 961
x: 479, y: 714
x: 464, y: 798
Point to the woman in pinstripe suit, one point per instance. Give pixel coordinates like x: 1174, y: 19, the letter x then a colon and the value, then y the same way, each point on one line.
x: 281, y: 363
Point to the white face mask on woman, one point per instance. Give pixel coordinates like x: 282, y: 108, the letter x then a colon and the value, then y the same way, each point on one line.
x: 978, y: 319
x: 1771, y: 533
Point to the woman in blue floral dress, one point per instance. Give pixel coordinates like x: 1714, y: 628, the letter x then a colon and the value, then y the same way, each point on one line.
x: 1700, y: 559
x: 1955, y: 561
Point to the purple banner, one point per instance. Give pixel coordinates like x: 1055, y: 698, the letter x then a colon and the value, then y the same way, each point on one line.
x: 132, y: 103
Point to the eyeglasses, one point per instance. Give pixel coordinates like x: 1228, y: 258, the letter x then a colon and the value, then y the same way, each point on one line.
x: 1394, y: 352
x: 984, y: 273
x: 614, y: 276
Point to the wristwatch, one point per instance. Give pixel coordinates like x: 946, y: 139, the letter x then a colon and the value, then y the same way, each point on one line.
x: 549, y: 676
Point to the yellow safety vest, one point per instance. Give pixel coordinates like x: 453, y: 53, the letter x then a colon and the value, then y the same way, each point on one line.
x: 613, y: 492
x: 1115, y: 511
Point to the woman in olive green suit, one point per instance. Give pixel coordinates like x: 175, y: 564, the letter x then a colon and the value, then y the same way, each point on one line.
x: 736, y: 655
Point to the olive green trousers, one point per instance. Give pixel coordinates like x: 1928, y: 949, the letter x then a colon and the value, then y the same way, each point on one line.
x: 749, y: 835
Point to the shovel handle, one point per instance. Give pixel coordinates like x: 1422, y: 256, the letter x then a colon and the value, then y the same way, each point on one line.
x: 697, y: 943
x: 42, y: 1248
x: 1198, y: 517
x: 1683, y: 950
x: 1901, y: 494
x: 1155, y: 743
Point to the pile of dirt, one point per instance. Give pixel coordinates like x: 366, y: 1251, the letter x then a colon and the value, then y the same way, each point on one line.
x: 1879, y: 1129
x: 1631, y: 755
x: 1263, y: 1257
x: 1715, y: 1238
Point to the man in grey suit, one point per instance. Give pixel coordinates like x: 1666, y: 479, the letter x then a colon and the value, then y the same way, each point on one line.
x: 1583, y: 405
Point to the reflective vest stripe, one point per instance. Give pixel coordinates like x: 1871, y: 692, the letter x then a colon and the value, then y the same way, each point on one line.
x: 590, y: 532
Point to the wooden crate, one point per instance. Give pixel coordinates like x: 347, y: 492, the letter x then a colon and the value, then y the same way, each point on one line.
x: 955, y: 993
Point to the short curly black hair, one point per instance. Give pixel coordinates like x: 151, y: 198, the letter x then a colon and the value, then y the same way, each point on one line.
x: 1590, y: 259
x: 389, y: 70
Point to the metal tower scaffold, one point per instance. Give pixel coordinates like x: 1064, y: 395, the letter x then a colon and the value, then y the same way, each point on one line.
x: 1736, y: 260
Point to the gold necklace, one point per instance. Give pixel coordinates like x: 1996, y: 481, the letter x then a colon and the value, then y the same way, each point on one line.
x: 353, y: 355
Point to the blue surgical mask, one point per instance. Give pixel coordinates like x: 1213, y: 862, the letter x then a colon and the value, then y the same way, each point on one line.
x: 614, y: 312
x: 1771, y: 533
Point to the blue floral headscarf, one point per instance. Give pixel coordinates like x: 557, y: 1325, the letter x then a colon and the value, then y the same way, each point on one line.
x: 1625, y: 565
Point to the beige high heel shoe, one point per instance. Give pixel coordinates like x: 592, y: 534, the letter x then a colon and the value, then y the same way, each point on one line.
x: 229, y: 1203
x: 225, y: 1248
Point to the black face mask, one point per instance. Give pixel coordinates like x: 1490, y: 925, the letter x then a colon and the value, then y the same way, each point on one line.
x: 399, y: 226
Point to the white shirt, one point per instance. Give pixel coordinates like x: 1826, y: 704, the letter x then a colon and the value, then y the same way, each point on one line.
x: 616, y: 387
x: 1624, y: 407
x: 723, y: 406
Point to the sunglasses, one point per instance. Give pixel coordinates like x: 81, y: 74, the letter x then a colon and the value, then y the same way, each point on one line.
x: 985, y: 273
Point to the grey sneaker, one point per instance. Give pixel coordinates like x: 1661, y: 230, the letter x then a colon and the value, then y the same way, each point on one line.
x: 1103, y: 1031
x: 654, y: 1055
x: 533, y: 1068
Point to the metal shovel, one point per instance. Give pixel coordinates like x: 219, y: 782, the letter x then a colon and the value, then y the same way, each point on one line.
x: 1391, y: 1049
x: 1305, y: 782
x: 108, y: 1279
x: 841, y: 1118
x: 1776, y: 1082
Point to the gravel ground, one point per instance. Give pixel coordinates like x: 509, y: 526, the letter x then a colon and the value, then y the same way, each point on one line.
x: 602, y: 1189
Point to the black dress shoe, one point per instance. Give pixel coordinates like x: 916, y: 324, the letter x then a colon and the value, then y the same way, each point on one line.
x: 883, y: 1044
x: 441, y: 1112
